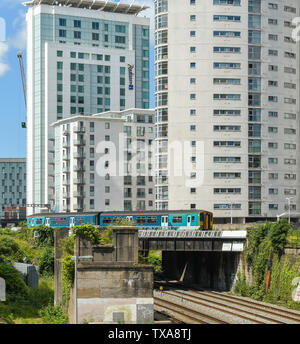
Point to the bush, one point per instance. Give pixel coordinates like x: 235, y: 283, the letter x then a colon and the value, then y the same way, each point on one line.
x: 89, y: 232
x: 45, y: 236
x: 46, y: 263
x: 278, y: 235
x: 68, y: 274
x: 53, y: 315
x: 241, y: 287
x: 10, y: 251
x: 15, y: 286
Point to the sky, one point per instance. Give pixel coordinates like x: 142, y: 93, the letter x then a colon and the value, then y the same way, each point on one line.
x: 12, y: 104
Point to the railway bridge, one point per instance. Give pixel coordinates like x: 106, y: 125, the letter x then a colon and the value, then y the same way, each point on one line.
x: 209, y: 259
x: 192, y: 240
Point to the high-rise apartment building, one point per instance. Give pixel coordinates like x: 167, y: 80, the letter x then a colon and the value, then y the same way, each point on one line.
x: 83, y: 57
x: 227, y: 107
x: 13, y: 184
x: 104, y: 162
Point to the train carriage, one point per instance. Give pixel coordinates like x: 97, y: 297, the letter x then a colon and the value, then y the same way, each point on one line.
x: 177, y: 219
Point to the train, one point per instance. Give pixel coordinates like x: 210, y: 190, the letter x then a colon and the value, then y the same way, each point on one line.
x: 171, y: 219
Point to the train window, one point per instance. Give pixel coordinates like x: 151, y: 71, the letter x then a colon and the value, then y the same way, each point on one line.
x: 80, y: 220
x: 193, y: 218
x: 39, y: 221
x: 117, y: 220
x: 177, y: 219
x: 63, y: 221
x: 201, y: 217
x: 152, y: 219
x: 54, y: 221
x: 106, y: 220
x: 140, y: 219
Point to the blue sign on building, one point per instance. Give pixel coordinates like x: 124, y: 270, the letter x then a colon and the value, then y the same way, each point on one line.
x: 130, y: 71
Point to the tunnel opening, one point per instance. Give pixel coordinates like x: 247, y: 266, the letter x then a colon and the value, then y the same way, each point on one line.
x: 205, y: 270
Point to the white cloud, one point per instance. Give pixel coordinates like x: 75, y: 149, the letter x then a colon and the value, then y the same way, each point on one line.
x: 4, y: 67
x: 18, y: 40
x: 10, y: 3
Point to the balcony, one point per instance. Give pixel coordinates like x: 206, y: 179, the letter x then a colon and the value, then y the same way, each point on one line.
x: 78, y: 181
x: 66, y: 169
x: 66, y: 182
x: 66, y: 144
x: 79, y: 142
x: 78, y: 155
x: 78, y: 207
x: 79, y: 129
x: 79, y: 194
x: 66, y: 156
x: 79, y: 169
x: 66, y: 194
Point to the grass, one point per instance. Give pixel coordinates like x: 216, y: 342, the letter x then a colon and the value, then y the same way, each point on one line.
x: 26, y: 311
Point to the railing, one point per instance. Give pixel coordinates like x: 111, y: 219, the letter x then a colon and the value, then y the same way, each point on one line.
x: 190, y: 233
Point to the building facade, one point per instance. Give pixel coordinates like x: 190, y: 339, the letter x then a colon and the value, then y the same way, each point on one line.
x: 13, y: 186
x: 227, y: 107
x: 82, y: 58
x: 104, y: 162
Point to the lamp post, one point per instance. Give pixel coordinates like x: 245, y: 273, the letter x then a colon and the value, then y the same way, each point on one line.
x: 289, y: 201
x: 76, y: 259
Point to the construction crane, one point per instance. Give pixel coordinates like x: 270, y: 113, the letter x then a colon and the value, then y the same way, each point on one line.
x: 20, y: 57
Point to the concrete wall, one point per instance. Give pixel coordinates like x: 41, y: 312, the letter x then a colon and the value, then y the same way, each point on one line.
x: 111, y: 288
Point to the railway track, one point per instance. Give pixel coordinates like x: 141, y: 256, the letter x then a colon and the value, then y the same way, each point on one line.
x: 225, y: 308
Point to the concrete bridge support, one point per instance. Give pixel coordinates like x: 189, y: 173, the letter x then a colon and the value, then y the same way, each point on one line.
x: 211, y: 270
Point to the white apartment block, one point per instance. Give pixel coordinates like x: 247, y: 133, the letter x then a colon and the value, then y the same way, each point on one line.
x: 83, y: 57
x: 227, y: 105
x: 104, y: 162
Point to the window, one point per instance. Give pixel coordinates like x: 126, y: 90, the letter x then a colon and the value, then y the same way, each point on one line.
x: 62, y: 33
x: 227, y: 34
x: 95, y: 26
x: 77, y: 35
x: 77, y: 23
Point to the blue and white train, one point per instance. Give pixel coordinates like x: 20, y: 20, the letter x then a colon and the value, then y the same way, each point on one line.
x: 170, y: 219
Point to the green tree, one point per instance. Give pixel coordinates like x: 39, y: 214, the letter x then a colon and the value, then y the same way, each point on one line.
x: 10, y: 251
x: 46, y: 262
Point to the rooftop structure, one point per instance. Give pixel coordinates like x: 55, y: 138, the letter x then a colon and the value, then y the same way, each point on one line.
x: 106, y: 6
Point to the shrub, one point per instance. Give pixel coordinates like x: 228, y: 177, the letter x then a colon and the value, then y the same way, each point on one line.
x: 10, y: 251
x: 45, y: 236
x: 278, y: 235
x: 53, y: 315
x: 46, y: 263
x: 89, y: 232
x: 68, y: 274
x: 15, y: 286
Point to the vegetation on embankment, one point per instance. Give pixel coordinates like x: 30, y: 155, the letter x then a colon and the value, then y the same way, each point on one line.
x: 272, y: 272
x: 25, y: 305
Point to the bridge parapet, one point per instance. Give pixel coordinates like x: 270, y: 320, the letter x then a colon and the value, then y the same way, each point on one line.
x: 185, y: 233
x: 192, y: 240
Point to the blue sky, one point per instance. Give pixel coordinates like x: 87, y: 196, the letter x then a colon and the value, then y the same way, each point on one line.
x: 12, y: 106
